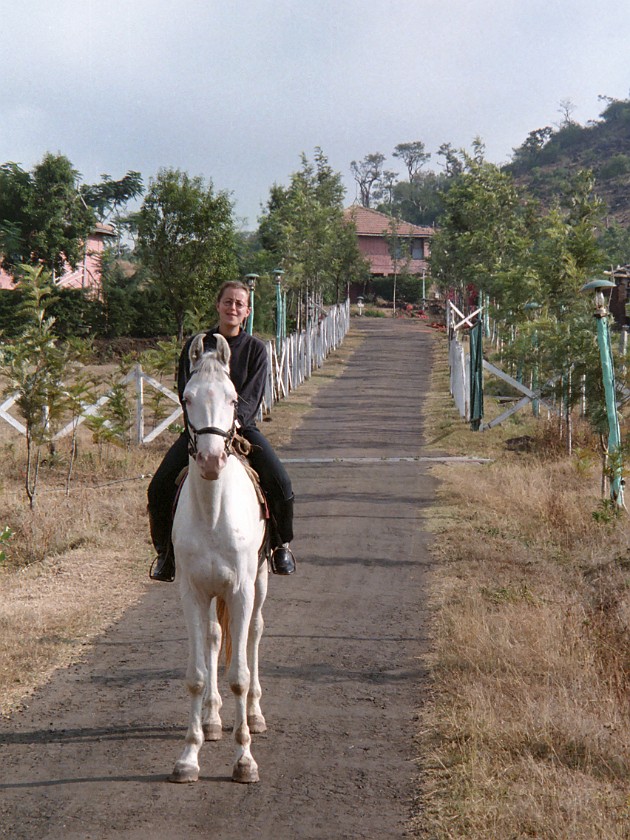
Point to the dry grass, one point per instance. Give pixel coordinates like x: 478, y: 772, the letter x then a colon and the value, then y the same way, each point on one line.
x: 526, y: 732
x: 76, y: 563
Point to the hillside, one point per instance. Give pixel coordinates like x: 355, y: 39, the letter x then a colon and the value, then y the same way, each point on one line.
x: 549, y: 156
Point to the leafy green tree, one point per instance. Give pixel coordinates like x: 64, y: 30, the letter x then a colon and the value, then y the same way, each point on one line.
x: 42, y: 217
x: 35, y: 367
x: 108, y: 197
x: 492, y: 237
x: 186, y: 240
x: 305, y: 233
x: 421, y: 201
x: 484, y: 235
x: 132, y: 305
x: 530, y: 149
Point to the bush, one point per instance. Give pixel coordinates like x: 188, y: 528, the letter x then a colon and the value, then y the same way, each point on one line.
x: 76, y: 314
x: 615, y: 167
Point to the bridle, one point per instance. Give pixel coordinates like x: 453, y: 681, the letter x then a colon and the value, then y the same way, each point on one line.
x: 193, y: 434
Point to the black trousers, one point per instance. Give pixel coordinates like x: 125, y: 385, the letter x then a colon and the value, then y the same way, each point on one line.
x: 274, y: 480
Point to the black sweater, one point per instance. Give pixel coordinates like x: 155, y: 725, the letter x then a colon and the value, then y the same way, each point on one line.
x: 248, y: 371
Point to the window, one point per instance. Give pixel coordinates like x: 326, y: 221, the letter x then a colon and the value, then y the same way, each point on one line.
x: 417, y: 249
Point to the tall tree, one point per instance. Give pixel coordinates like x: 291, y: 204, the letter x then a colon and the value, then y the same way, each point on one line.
x: 413, y: 156
x: 483, y: 237
x: 305, y: 230
x: 108, y: 197
x: 367, y: 173
x: 43, y: 219
x: 186, y: 240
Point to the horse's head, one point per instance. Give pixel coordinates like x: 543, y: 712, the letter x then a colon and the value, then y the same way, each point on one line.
x: 210, y: 406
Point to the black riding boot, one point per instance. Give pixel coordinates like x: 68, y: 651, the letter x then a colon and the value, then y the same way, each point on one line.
x: 282, y: 558
x: 163, y: 567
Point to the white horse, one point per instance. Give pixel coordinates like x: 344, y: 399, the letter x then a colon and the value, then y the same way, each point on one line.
x: 217, y: 534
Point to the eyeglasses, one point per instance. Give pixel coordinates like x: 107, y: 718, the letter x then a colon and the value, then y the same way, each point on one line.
x: 237, y: 304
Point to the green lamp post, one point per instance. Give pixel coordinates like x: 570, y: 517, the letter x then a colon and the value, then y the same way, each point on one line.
x: 608, y: 375
x: 251, y: 282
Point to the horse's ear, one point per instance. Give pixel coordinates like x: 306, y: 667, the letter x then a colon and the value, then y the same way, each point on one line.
x: 196, y: 350
x: 223, y: 351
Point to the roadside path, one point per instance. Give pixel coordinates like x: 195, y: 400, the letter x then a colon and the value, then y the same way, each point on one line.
x: 341, y: 665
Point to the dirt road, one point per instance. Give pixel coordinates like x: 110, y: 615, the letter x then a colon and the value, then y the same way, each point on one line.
x: 340, y: 666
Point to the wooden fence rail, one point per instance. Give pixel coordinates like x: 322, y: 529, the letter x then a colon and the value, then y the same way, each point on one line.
x: 289, y: 366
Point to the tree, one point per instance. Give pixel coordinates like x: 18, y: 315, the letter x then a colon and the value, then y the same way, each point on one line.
x: 186, y: 240
x: 492, y: 237
x: 43, y: 219
x: 399, y: 252
x: 452, y: 161
x: 384, y: 189
x: 566, y: 109
x: 484, y: 233
x: 305, y: 232
x: 108, y: 197
x: 420, y: 201
x: 413, y: 156
x: 367, y: 173
x: 35, y: 366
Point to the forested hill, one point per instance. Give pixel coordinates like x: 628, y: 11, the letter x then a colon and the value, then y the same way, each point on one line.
x: 549, y: 156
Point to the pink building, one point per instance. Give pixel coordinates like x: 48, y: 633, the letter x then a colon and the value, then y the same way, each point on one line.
x: 87, y: 274
x: 373, y: 228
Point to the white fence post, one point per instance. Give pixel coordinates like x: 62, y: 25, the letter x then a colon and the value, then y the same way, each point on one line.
x: 139, y: 404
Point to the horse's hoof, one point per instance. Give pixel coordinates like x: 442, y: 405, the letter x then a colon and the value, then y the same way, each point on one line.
x: 246, y: 774
x: 256, y: 724
x: 183, y: 773
x: 212, y: 731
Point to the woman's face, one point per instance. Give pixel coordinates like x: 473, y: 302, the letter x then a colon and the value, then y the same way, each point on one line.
x: 233, y: 307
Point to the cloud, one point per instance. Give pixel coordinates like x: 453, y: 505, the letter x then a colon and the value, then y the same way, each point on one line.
x: 235, y: 92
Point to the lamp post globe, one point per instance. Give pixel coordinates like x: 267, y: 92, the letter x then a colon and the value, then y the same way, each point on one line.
x: 251, y: 282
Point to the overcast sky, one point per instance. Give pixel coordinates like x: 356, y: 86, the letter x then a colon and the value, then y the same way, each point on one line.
x: 236, y: 90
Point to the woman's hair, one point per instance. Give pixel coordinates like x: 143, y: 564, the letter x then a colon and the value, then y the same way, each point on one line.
x: 232, y: 284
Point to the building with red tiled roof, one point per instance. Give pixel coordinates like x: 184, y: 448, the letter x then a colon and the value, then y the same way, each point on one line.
x: 373, y: 228
x: 87, y: 275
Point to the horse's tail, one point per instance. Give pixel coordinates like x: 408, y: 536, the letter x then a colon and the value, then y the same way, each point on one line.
x: 223, y: 617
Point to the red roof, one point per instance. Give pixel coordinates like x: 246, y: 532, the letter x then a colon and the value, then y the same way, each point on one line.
x: 372, y: 223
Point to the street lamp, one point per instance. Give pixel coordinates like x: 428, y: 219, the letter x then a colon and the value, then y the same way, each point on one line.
x: 608, y: 376
x: 251, y: 282
x: 281, y: 314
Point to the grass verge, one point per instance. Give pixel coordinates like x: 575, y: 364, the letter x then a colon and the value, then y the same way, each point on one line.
x: 526, y: 728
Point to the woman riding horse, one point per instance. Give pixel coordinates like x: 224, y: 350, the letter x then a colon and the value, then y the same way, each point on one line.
x: 248, y: 372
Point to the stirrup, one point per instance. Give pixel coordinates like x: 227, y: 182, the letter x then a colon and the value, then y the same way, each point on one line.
x: 163, y: 568
x: 282, y: 560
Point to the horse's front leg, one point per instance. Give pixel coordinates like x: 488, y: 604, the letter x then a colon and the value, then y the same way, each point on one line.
x: 211, y: 714
x: 187, y: 766
x: 240, y: 608
x: 255, y: 717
